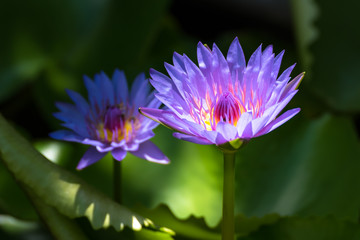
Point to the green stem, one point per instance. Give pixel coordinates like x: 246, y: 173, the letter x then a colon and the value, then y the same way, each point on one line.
x: 117, y: 181
x: 228, y: 225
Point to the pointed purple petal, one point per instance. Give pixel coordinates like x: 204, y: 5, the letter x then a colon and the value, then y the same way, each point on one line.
x: 70, y: 136
x: 171, y: 103
x: 62, y: 106
x: 66, y: 135
x: 204, y: 56
x: 178, y: 61
x: 222, y: 67
x: 193, y: 139
x: 91, y: 156
x: 255, y: 59
x: 161, y: 82
x: 211, y: 136
x: 69, y: 113
x: 118, y: 153
x: 78, y: 128
x: 120, y: 86
x: 149, y: 151
x: 164, y: 84
x: 286, y: 74
x: 205, y: 60
x: 72, y: 118
x: 149, y: 124
x: 104, y: 85
x: 228, y: 130
x: 251, y: 74
x: 179, y: 78
x: 144, y: 136
x: 167, y: 118
x: 276, y: 66
x: 131, y: 146
x: 220, y: 139
x: 263, y: 80
x: 104, y: 148
x: 267, y: 53
x: 291, y: 86
x: 235, y: 56
x: 118, y: 144
x: 278, y: 121
x: 274, y: 93
x: 258, y: 123
x: 196, y: 77
x: 92, y: 142
x: 79, y: 101
x: 282, y: 104
x: 107, y: 90
x: 94, y: 95
x: 153, y: 102
x: 243, y: 122
x: 139, y: 91
x: 63, y: 116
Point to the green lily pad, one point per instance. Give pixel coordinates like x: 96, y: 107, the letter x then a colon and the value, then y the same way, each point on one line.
x: 58, y: 188
x: 304, y: 168
x: 309, y: 228
x: 13, y: 200
x: 329, y: 49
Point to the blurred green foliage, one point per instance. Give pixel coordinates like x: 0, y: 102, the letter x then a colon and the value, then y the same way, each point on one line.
x: 298, y: 182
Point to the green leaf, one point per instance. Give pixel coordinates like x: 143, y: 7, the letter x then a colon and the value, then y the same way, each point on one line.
x: 334, y: 72
x: 189, y: 228
x: 128, y: 234
x: 60, y: 189
x: 10, y: 225
x: 305, y: 12
x: 61, y: 227
x: 196, y: 227
x: 310, y: 228
x: 287, y: 172
x: 246, y: 225
x: 190, y: 185
x: 304, y: 168
x: 147, y: 234
x: 13, y: 200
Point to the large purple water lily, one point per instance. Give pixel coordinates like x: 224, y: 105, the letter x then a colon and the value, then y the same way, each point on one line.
x: 223, y: 99
x: 111, y: 121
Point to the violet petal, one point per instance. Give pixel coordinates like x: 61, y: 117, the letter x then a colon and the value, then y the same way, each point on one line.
x: 193, y: 139
x: 118, y: 154
x: 149, y: 151
x: 91, y: 156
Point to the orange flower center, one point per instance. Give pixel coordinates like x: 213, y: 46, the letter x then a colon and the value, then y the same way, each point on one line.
x: 227, y: 109
x: 116, y: 126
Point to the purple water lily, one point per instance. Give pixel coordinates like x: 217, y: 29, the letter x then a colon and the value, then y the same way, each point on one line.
x: 222, y: 100
x: 111, y: 121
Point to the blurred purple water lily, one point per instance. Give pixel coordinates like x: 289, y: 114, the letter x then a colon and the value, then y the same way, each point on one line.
x: 111, y: 121
x: 223, y: 100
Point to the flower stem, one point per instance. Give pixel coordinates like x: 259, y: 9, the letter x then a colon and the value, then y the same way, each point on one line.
x: 228, y: 224
x: 117, y: 181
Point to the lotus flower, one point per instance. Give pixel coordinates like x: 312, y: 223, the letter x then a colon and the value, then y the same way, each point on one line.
x: 111, y: 122
x: 223, y: 99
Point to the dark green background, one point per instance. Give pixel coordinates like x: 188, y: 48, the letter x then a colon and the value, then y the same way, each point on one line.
x: 298, y: 182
